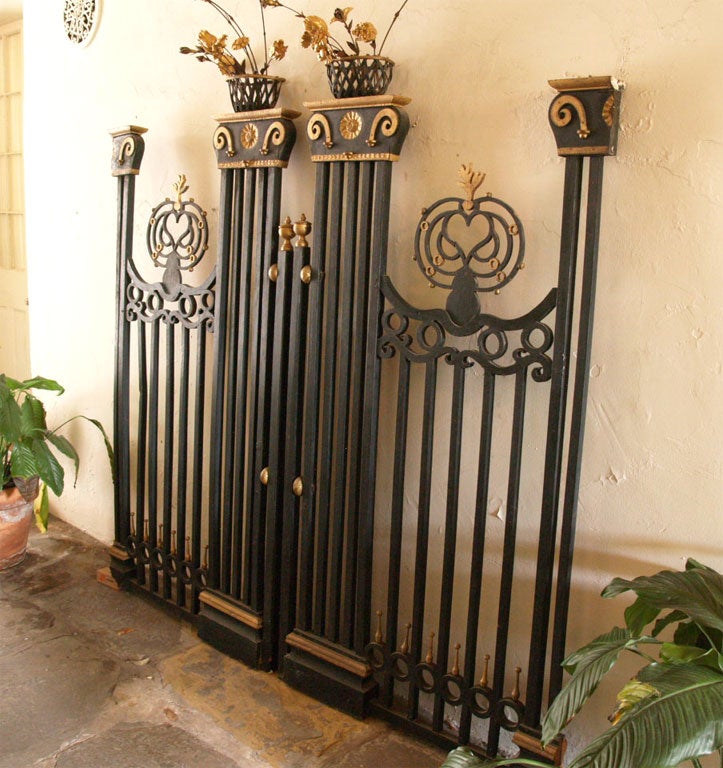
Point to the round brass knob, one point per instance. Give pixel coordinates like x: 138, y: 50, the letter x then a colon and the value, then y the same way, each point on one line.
x: 305, y: 274
x: 274, y: 273
x: 298, y: 486
x: 264, y: 476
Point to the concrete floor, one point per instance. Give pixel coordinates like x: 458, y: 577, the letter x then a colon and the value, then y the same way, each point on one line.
x: 91, y: 677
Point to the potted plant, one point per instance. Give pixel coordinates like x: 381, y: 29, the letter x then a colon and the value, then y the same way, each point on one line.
x: 250, y: 85
x: 351, y: 71
x: 672, y: 710
x: 29, y: 465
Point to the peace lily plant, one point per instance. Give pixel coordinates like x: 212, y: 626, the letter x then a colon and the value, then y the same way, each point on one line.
x: 672, y: 710
x: 27, y: 444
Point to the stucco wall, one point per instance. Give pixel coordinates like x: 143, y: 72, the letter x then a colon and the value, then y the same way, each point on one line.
x: 477, y: 72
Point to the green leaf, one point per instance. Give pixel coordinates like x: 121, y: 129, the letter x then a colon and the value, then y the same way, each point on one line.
x: 49, y: 468
x: 38, y: 382
x: 692, y: 564
x: 588, y: 665
x: 11, y: 419
x: 667, y: 620
x: 33, y: 416
x: 630, y: 696
x: 684, y: 722
x: 698, y: 593
x: 106, y: 439
x: 66, y: 448
x: 22, y: 461
x: 42, y: 509
x: 639, y: 615
x: 684, y: 654
x: 464, y: 757
x: 687, y: 633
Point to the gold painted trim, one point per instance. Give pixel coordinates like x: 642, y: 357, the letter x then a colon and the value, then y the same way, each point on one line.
x: 234, y: 611
x: 258, y: 114
x: 587, y: 83
x: 126, y: 149
x: 555, y: 751
x: 362, y: 156
x: 351, y: 125
x: 385, y: 100
x: 276, y: 135
x: 118, y: 553
x: 126, y: 172
x: 127, y: 129
x: 388, y: 119
x: 564, y: 151
x: 561, y: 113
x: 323, y: 652
x: 249, y: 135
x: 254, y: 164
x: 317, y: 124
x: 222, y: 138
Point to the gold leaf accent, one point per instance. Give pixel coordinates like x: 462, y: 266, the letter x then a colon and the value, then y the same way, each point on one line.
x: 608, y: 111
x: 351, y: 125
x: 249, y: 136
x: 471, y: 181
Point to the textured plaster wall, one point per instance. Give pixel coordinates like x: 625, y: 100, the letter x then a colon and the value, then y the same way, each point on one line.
x: 477, y: 72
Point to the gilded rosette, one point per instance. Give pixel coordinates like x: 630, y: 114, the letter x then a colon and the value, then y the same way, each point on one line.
x: 262, y: 139
x: 128, y: 148
x: 585, y: 115
x: 364, y: 128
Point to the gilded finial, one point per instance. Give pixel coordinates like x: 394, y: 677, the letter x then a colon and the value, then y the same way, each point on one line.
x: 301, y: 230
x: 188, y: 548
x: 484, y: 680
x: 205, y: 557
x: 470, y: 181
x: 179, y: 187
x: 286, y: 232
x: 455, y: 668
x: 404, y: 648
x: 515, y: 695
x: 430, y: 653
x: 378, y: 637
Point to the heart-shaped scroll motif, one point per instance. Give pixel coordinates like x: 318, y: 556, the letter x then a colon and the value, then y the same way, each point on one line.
x: 469, y: 247
x: 177, y: 237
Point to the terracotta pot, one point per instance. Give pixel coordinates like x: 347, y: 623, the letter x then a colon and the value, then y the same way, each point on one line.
x: 16, y: 514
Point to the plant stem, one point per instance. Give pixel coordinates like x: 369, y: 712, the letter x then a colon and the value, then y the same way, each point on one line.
x: 266, y: 45
x: 396, y: 16
x: 229, y: 19
x: 696, y: 762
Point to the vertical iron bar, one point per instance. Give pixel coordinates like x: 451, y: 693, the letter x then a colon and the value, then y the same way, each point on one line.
x: 577, y: 434
x: 246, y: 351
x: 508, y: 556
x: 450, y: 534
x: 231, y: 457
x: 397, y: 516
x: 370, y: 421
x: 183, y: 407
x: 311, y: 398
x: 327, y: 516
x: 142, y: 443
x: 555, y: 439
x: 153, y: 450
x: 268, y: 183
x: 216, y: 478
x: 199, y: 436
x: 340, y: 446
x: 168, y: 447
x: 478, y: 547
x: 290, y: 504
x: 422, y: 549
x: 359, y: 320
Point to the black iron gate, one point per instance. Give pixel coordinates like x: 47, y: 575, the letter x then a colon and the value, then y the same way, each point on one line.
x: 304, y: 546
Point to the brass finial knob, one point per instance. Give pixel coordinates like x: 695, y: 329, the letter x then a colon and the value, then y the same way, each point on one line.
x: 286, y: 232
x: 455, y: 667
x: 429, y: 658
x: 302, y: 229
x: 264, y: 476
x: 515, y: 695
x: 274, y: 272
x: 404, y: 647
x: 306, y: 274
x: 378, y: 637
x: 484, y: 680
x: 297, y: 487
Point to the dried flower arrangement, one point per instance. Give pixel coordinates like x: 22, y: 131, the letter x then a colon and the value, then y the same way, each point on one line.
x: 318, y: 37
x: 216, y: 50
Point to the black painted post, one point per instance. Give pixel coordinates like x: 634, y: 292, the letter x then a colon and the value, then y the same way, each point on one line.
x: 128, y: 148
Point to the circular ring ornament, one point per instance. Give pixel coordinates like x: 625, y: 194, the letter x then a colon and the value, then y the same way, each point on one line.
x: 80, y: 20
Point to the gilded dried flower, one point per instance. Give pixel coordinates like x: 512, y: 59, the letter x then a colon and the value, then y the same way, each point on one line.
x: 342, y: 14
x: 278, y: 50
x: 366, y: 32
x: 317, y: 30
x: 240, y: 43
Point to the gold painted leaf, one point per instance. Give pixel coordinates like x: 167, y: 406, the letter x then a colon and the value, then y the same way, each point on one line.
x: 240, y: 42
x: 366, y: 32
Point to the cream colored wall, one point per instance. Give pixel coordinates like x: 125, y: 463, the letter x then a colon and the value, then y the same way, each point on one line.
x: 477, y: 72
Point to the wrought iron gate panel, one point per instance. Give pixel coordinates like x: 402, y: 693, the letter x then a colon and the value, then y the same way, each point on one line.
x: 160, y: 400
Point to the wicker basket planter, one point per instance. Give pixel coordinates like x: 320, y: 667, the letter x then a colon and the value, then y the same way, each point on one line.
x: 252, y: 92
x: 359, y: 76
